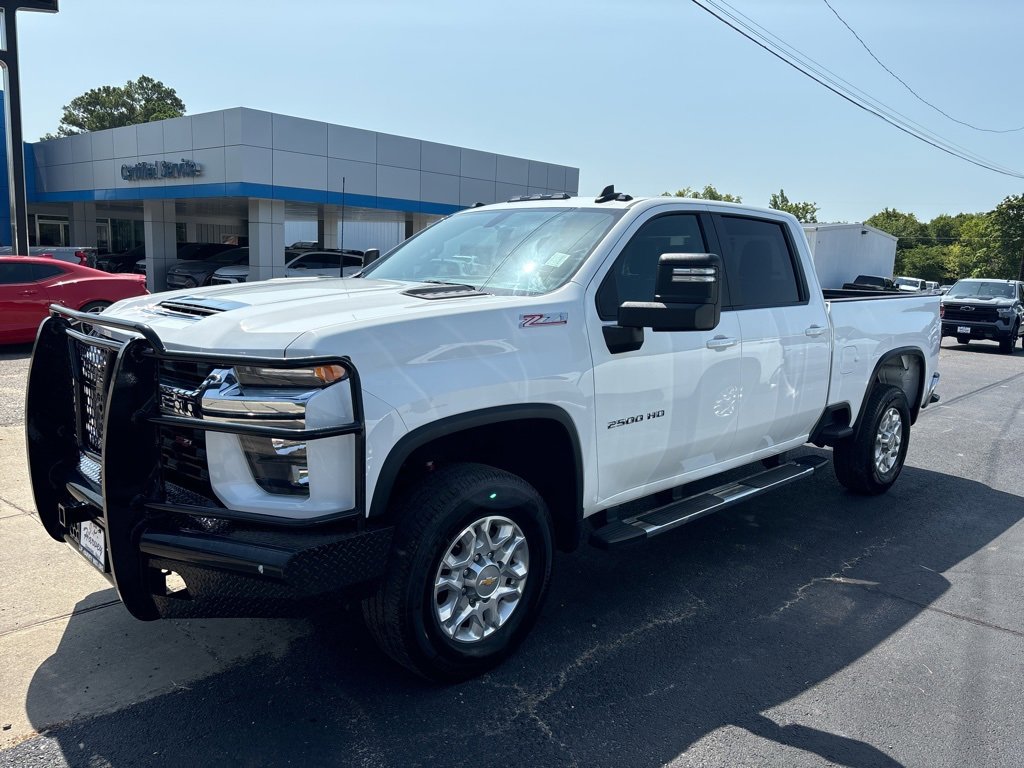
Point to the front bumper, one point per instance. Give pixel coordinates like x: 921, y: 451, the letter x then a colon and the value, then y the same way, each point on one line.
x: 94, y: 446
x: 997, y: 330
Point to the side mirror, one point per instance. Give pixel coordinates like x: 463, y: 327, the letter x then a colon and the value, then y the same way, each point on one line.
x: 686, y: 296
x: 370, y: 255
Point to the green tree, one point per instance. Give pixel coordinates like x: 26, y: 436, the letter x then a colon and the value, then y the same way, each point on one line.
x: 112, y: 106
x: 804, y: 212
x: 1007, y: 259
x: 708, y: 193
x: 929, y: 262
x: 905, y: 226
x: 970, y: 255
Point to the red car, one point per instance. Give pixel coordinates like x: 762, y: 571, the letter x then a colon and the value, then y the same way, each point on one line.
x: 30, y: 284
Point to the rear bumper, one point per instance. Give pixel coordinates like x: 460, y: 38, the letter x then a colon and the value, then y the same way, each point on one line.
x: 110, y: 474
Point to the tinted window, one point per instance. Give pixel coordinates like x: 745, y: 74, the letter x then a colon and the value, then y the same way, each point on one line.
x: 46, y: 271
x: 17, y: 273
x: 634, y: 274
x: 758, y: 263
x: 318, y: 261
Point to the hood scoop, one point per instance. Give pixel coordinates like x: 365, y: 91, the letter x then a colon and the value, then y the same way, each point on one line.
x: 444, y: 291
x: 198, y: 306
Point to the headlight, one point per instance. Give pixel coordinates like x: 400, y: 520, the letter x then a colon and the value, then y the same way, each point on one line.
x: 319, y: 376
x: 1006, y: 312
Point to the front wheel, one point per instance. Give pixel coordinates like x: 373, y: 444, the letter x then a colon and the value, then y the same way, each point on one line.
x: 1006, y: 345
x: 869, y: 462
x: 469, y: 568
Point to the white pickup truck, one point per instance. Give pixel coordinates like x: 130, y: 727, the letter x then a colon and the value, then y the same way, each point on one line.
x: 425, y: 434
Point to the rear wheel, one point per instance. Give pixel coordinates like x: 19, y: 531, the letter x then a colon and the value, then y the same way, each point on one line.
x: 869, y: 462
x: 469, y: 568
x: 96, y: 306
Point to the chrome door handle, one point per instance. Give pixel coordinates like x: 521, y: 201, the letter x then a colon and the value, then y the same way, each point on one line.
x: 27, y: 293
x: 815, y: 330
x: 721, y: 342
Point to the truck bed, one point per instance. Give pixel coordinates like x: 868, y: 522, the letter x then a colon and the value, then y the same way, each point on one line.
x: 866, y: 328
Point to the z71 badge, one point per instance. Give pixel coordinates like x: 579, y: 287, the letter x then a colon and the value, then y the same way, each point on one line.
x: 552, y: 318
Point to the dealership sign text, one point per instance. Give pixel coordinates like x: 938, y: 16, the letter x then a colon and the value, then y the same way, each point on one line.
x: 161, y: 170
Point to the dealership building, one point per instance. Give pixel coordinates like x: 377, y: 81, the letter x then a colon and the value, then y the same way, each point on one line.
x: 247, y: 176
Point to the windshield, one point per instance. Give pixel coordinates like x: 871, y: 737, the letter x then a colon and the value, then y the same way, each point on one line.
x: 911, y: 282
x: 527, y: 252
x: 981, y: 289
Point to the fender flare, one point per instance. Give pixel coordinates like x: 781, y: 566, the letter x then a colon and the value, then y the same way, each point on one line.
x: 461, y: 422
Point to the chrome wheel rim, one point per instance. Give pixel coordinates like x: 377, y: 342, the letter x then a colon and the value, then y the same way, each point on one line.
x: 888, y: 441
x: 480, y: 579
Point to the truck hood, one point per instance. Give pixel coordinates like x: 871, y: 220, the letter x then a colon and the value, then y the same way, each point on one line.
x: 265, y: 317
x: 995, y: 301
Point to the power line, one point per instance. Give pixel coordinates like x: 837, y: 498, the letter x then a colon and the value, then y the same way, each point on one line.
x: 836, y: 80
x: 877, y: 109
x: 903, y: 82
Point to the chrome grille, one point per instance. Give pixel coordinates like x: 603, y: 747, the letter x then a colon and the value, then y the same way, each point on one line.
x: 93, y: 383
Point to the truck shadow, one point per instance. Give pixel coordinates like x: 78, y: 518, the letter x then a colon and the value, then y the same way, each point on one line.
x: 639, y: 654
x: 15, y: 351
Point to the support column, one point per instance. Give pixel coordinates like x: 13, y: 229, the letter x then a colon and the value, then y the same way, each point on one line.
x: 161, y: 241
x: 82, y: 218
x: 266, y: 238
x: 327, y: 229
x: 192, y: 232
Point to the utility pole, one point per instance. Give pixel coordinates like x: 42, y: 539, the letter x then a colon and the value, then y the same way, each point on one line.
x: 12, y: 108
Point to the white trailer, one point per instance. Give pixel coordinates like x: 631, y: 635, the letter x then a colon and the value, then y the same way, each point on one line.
x: 843, y: 251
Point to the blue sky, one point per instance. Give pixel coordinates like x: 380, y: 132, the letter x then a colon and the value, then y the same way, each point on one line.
x: 651, y: 95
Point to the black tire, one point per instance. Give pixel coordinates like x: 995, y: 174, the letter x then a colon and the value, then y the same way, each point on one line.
x: 1006, y: 345
x: 95, y: 306
x: 401, y: 613
x: 963, y: 339
x: 853, y: 459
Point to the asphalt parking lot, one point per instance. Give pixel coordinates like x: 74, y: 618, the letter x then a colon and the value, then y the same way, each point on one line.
x: 808, y: 628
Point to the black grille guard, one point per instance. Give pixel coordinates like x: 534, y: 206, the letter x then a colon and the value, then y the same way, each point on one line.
x: 131, y: 486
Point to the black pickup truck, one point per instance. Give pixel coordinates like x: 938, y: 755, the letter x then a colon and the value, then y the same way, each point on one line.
x: 985, y: 309
x: 870, y: 283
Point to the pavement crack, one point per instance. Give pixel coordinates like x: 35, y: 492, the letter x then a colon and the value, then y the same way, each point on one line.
x: 76, y: 612
x: 943, y: 612
x: 530, y: 702
x: 11, y: 504
x: 940, y: 405
x: 837, y: 576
